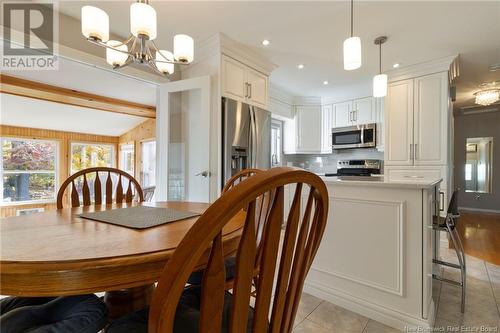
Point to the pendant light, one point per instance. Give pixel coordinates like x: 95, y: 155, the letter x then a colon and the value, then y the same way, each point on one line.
x: 352, y: 48
x: 380, y: 80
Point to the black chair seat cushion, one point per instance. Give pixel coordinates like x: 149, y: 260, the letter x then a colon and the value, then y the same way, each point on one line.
x: 230, y: 263
x: 71, y: 314
x: 186, y: 317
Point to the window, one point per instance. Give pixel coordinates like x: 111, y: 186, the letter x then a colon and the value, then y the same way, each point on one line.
x: 127, y: 160
x: 29, y: 170
x: 90, y: 155
x: 148, y: 158
x: 276, y: 129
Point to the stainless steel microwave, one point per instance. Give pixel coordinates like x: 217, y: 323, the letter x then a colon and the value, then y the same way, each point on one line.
x: 359, y: 136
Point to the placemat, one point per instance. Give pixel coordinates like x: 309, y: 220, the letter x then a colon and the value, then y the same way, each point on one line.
x: 139, y: 217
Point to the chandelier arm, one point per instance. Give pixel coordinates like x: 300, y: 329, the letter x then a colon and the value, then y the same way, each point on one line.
x: 166, y: 61
x: 102, y: 44
x: 153, y: 65
x: 129, y: 60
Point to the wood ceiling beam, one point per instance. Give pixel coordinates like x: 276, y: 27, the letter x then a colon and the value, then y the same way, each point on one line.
x: 26, y: 88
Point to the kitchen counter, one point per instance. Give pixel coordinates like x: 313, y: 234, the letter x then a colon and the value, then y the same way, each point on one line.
x: 380, y: 181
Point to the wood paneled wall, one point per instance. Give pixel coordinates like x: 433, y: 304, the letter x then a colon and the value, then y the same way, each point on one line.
x: 142, y: 132
x: 64, y: 139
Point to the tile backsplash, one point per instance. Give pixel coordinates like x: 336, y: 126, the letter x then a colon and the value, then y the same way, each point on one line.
x: 327, y: 163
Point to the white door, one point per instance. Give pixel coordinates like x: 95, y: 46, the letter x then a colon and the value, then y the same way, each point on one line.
x: 399, y: 124
x: 309, y: 129
x: 327, y: 122
x: 363, y: 110
x: 257, y: 88
x: 430, y: 119
x: 183, y: 140
x: 233, y: 79
x: 343, y: 114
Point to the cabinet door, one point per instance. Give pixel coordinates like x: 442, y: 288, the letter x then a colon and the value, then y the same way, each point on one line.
x: 430, y: 119
x: 289, y: 136
x: 363, y: 111
x: 233, y: 79
x: 399, y: 123
x: 257, y: 89
x: 308, y: 129
x: 343, y: 114
x: 327, y: 122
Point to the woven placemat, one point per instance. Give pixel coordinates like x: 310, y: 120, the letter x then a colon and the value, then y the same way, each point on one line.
x: 139, y: 217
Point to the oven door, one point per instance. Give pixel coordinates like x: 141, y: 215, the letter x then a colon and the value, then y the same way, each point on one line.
x: 362, y: 136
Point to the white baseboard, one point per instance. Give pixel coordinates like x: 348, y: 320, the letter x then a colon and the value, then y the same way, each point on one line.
x: 479, y: 210
x: 376, y: 312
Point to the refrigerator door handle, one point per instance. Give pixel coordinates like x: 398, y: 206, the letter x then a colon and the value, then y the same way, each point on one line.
x: 253, y: 139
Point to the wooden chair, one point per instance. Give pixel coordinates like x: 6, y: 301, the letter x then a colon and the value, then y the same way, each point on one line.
x: 301, y: 240
x: 120, y: 195
x: 197, y: 277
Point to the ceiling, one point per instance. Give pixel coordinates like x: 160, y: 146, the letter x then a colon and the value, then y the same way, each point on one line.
x: 312, y: 33
x: 34, y: 113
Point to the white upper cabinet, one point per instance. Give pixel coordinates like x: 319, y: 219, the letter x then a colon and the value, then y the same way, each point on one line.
x: 416, y: 121
x: 363, y: 111
x: 430, y: 119
x: 399, y: 123
x: 343, y: 114
x: 257, y: 88
x: 243, y: 83
x: 327, y: 122
x: 308, y: 124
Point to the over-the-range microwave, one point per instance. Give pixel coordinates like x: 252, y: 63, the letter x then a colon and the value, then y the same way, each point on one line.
x: 359, y: 136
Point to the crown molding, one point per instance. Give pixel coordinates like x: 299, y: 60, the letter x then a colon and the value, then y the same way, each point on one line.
x: 279, y: 95
x: 421, y: 69
x: 307, y: 101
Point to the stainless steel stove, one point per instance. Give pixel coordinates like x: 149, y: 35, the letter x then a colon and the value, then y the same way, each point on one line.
x: 362, y: 168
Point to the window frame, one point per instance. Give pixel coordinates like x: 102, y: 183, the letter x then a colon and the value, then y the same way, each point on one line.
x: 57, y: 171
x: 96, y: 143
x: 140, y: 171
x: 119, y: 156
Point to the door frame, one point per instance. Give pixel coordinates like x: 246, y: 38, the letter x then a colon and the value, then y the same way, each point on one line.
x: 163, y: 126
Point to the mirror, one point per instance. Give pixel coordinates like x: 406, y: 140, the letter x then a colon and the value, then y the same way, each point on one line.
x: 478, y: 165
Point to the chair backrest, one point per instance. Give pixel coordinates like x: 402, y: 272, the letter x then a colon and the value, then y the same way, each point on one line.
x: 301, y: 240
x: 239, y: 177
x: 133, y: 187
x: 148, y: 193
x: 453, y: 205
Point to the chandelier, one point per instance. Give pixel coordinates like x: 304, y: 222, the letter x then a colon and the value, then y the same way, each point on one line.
x: 140, y: 46
x: 487, y: 97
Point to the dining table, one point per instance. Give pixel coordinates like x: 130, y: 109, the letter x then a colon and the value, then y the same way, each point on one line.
x: 58, y: 253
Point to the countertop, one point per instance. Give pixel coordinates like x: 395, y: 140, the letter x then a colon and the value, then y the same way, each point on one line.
x: 379, y: 181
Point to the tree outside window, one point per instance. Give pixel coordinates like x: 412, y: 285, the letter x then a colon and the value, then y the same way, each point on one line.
x: 29, y: 170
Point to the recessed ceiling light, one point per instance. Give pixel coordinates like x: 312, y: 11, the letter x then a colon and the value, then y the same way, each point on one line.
x: 325, y: 82
x: 265, y: 42
x: 300, y: 66
x: 396, y: 65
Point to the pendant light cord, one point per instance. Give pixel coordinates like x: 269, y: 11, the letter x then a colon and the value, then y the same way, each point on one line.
x: 380, y: 58
x: 352, y: 16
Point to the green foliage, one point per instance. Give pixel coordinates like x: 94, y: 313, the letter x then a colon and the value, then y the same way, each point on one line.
x: 85, y: 156
x: 28, y: 155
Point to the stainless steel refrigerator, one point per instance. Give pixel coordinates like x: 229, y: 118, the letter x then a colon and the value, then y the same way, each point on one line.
x: 246, y: 138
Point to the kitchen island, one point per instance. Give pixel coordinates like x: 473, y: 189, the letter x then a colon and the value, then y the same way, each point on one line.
x: 376, y: 254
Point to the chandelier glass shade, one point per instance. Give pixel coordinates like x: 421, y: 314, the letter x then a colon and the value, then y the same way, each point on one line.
x: 487, y: 97
x: 140, y: 46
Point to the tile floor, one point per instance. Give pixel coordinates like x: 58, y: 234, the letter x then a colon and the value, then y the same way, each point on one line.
x: 481, y: 311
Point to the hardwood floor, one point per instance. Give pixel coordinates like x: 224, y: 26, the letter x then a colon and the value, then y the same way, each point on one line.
x: 480, y: 234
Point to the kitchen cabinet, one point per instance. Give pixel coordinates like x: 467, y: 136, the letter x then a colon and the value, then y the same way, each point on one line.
x: 308, y: 125
x: 327, y: 122
x: 243, y: 83
x: 416, y: 121
x: 363, y: 111
x: 343, y: 114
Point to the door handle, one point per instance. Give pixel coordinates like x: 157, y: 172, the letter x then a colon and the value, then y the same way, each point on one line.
x: 355, y: 115
x: 415, y: 151
x: 441, y: 201
x: 246, y: 89
x: 204, y: 174
x: 249, y: 90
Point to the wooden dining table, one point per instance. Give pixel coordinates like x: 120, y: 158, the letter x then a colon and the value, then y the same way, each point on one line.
x: 57, y: 253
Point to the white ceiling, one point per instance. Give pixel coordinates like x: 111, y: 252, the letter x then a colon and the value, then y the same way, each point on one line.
x: 312, y: 33
x: 33, y: 113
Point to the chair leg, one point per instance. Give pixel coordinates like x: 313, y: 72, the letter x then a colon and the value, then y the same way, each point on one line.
x: 457, y: 245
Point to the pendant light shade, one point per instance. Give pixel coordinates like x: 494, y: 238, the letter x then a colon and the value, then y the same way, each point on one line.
x: 163, y: 55
x: 95, y: 23
x: 116, y: 58
x: 183, y: 48
x: 380, y: 85
x: 143, y: 20
x: 380, y: 80
x: 352, y: 53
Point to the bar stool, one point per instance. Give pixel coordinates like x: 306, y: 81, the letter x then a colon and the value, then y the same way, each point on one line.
x: 448, y: 224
